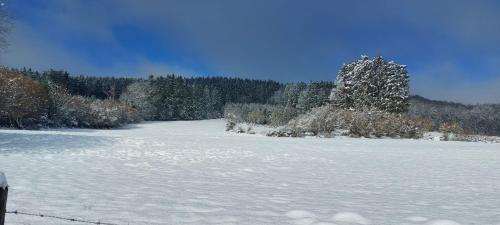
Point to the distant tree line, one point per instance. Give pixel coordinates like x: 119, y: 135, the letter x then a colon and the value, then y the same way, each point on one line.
x: 370, y: 98
x: 228, y: 89
x: 73, y: 101
x: 482, y: 119
x: 178, y: 98
x: 286, y: 103
x: 87, y: 86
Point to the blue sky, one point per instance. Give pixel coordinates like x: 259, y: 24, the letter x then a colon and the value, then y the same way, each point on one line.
x: 452, y: 48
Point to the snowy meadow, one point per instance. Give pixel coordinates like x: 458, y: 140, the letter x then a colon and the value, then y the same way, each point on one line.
x: 193, y: 172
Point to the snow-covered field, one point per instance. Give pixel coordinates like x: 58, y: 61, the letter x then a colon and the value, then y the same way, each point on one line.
x: 195, y: 173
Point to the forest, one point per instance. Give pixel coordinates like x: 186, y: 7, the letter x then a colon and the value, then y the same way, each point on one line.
x: 370, y: 98
x: 32, y: 99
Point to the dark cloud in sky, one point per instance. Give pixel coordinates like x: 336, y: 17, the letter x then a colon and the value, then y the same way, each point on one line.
x: 452, y: 48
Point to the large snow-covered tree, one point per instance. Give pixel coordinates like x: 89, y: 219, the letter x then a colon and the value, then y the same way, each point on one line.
x: 372, y: 84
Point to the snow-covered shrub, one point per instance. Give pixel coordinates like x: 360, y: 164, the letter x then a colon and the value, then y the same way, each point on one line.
x: 230, y: 125
x: 281, y: 115
x: 110, y: 113
x: 474, y: 138
x: 240, y: 129
x: 274, y: 115
x: 258, y: 115
x: 328, y: 119
x: 372, y: 83
x: 249, y: 113
x: 250, y: 130
x: 319, y: 120
x: 451, y: 130
x: 67, y: 110
x: 77, y: 111
x: 23, y: 102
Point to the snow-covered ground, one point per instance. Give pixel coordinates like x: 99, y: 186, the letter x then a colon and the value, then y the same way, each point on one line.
x: 195, y: 173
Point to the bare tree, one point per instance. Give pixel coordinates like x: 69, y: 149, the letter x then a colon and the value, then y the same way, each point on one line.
x: 20, y: 98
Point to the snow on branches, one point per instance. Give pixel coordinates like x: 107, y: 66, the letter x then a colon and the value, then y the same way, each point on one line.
x: 373, y: 84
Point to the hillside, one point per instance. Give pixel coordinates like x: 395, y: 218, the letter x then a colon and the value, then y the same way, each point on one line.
x: 483, y: 119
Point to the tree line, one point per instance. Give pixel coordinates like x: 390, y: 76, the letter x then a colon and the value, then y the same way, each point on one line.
x: 482, y: 119
x: 286, y: 103
x: 73, y: 101
x: 369, y: 98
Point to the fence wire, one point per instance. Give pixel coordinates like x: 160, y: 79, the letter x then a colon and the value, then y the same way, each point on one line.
x: 59, y: 218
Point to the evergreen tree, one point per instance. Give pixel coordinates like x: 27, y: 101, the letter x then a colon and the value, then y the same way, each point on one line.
x: 374, y: 84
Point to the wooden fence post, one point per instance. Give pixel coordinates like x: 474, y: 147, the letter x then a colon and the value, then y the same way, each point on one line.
x: 4, y: 189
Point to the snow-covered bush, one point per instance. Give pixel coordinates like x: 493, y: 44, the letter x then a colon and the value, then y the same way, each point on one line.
x: 67, y: 110
x: 258, y: 116
x: 373, y: 84
x: 23, y: 102
x: 473, y: 138
x: 274, y: 115
x: 451, y: 130
x: 329, y: 119
x: 249, y: 113
x: 281, y: 115
x: 325, y: 119
x: 230, y: 124
x: 110, y: 113
x: 77, y: 111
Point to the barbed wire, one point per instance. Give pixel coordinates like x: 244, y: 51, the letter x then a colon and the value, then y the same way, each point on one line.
x: 59, y: 217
